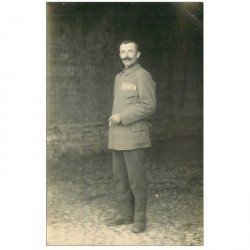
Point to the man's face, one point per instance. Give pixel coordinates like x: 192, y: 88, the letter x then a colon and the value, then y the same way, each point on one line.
x: 128, y: 54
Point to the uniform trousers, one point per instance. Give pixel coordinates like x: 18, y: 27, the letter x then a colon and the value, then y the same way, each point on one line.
x: 131, y: 184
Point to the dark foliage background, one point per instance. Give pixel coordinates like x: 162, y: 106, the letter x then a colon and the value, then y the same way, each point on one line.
x: 82, y: 60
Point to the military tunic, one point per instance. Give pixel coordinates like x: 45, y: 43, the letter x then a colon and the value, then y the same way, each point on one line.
x: 134, y: 101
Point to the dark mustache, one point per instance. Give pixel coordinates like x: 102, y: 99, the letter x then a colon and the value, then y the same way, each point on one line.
x: 127, y: 59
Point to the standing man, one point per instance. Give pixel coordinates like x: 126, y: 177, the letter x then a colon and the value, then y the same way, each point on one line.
x: 134, y: 101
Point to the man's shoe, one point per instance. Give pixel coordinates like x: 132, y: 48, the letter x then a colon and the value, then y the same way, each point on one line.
x: 138, y: 227
x: 119, y: 220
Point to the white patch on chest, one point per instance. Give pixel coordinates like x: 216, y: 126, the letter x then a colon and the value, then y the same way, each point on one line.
x: 128, y: 86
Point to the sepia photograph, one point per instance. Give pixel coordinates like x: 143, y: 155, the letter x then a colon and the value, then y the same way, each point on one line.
x: 124, y: 124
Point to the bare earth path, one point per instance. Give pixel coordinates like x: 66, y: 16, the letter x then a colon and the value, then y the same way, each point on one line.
x: 81, y: 192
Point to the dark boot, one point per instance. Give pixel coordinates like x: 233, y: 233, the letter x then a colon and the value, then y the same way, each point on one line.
x: 118, y: 220
x: 138, y: 227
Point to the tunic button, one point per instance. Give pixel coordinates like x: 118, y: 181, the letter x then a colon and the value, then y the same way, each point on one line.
x: 129, y: 100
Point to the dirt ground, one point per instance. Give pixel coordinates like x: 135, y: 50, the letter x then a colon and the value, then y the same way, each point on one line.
x: 81, y: 193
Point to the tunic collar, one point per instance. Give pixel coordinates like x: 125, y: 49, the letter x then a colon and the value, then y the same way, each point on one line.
x: 131, y: 69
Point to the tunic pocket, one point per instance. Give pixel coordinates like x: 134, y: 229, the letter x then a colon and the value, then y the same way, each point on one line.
x: 139, y: 126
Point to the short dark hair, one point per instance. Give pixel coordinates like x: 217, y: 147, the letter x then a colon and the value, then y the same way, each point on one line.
x: 131, y: 41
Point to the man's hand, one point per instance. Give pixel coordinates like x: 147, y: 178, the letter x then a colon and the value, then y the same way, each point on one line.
x: 114, y: 119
